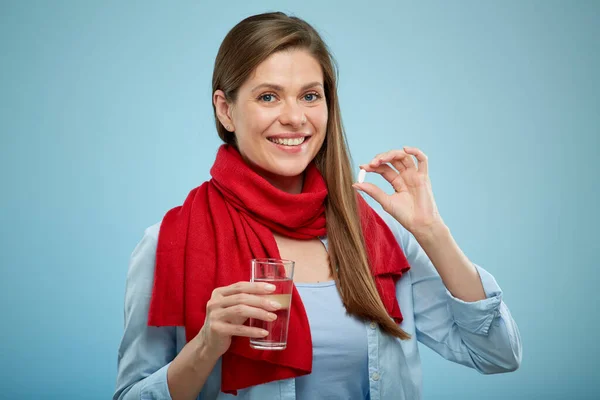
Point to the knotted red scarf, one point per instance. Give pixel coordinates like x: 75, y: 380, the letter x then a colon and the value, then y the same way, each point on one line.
x: 208, y: 242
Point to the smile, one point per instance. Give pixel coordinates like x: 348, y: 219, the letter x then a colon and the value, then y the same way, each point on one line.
x: 288, y: 142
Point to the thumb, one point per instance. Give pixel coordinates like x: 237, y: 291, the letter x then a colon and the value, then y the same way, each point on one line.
x: 375, y: 192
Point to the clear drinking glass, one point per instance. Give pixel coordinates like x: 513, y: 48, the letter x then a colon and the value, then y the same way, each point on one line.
x: 281, y: 274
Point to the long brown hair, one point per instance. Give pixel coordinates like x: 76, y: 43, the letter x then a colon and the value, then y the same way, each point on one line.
x: 248, y: 44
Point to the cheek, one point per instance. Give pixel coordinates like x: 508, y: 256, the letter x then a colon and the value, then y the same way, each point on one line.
x: 259, y: 119
x: 319, y: 117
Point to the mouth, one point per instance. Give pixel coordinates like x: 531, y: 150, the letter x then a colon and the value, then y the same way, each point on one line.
x: 289, y: 142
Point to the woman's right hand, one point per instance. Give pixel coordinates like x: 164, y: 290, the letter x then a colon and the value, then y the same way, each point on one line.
x: 228, y: 309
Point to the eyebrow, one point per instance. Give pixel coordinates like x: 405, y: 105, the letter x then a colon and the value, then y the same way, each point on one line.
x: 280, y: 88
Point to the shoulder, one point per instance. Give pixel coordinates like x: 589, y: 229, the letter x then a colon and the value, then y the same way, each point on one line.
x: 151, y: 232
x: 148, y: 241
x: 143, y: 258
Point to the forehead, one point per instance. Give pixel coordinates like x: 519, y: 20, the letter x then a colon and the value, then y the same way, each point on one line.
x: 291, y: 68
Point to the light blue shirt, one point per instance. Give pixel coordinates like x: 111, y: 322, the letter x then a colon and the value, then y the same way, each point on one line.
x: 481, y: 335
x: 340, y: 368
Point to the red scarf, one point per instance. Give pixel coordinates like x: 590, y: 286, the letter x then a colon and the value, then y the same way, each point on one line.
x: 208, y: 242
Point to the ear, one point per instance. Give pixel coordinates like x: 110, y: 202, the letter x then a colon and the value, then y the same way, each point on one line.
x: 223, y: 109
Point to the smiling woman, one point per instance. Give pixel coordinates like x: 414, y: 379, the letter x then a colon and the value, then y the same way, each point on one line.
x: 367, y: 284
x: 279, y: 116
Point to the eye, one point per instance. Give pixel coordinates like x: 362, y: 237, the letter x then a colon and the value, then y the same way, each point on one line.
x: 311, y: 97
x: 267, y: 97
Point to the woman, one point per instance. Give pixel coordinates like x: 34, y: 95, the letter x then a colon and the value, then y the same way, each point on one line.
x: 368, y: 284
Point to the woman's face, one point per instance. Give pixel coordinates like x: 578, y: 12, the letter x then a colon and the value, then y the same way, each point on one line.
x: 279, y: 117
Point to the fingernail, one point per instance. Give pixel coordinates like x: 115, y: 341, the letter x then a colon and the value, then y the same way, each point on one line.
x: 269, y: 287
x: 272, y: 317
x: 275, y: 304
x: 264, y: 333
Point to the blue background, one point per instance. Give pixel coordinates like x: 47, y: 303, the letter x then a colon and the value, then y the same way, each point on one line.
x: 106, y: 123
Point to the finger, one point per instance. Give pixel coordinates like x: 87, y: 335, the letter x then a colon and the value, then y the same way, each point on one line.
x: 390, y: 175
x: 241, y: 312
x: 421, y: 158
x: 376, y: 161
x: 375, y: 192
x: 227, y: 329
x: 399, y: 159
x: 245, y: 287
x: 249, y: 299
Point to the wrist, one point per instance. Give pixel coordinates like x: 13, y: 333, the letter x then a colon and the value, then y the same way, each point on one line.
x: 201, y: 351
x: 432, y: 233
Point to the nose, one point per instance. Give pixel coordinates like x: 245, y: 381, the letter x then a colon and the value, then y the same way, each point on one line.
x: 292, y: 114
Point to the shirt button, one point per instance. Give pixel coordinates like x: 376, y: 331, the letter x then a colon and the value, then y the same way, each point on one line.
x: 375, y: 376
x: 373, y: 325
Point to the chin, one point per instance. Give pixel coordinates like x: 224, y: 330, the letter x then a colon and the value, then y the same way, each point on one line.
x: 289, y: 169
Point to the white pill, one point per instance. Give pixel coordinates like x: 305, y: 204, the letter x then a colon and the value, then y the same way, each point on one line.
x: 361, y: 175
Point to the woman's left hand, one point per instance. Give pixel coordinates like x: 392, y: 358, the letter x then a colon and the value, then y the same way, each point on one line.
x: 412, y: 204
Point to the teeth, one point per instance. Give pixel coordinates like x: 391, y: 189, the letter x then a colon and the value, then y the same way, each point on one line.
x: 288, y: 142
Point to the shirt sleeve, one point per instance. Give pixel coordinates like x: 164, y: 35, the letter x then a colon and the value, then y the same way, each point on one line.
x: 145, y: 352
x: 480, y: 334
